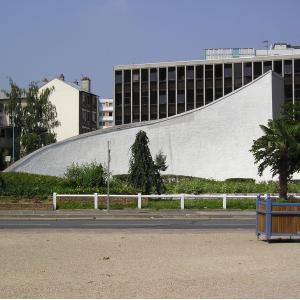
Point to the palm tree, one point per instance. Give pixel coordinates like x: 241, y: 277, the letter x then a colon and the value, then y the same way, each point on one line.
x: 279, y: 149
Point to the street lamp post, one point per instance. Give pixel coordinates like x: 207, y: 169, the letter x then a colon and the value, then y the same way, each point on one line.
x: 13, y: 137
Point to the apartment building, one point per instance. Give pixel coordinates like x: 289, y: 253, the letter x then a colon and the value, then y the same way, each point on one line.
x: 105, y: 112
x: 76, y: 110
x: 76, y: 106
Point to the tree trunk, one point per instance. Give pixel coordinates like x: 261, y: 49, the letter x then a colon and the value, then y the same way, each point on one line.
x: 283, y: 185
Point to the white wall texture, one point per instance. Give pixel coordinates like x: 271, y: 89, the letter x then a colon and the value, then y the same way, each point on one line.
x: 212, y: 141
x: 66, y: 100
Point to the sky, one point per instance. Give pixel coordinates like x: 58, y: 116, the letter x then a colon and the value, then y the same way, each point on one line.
x: 88, y: 37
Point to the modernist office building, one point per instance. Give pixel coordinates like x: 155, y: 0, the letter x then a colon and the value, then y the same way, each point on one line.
x: 154, y: 91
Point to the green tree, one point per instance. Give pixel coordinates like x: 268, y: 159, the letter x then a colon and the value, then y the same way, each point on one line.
x: 142, y: 169
x: 13, y: 108
x: 160, y: 165
x: 279, y: 147
x: 161, y: 161
x: 36, y: 119
x: 39, y: 119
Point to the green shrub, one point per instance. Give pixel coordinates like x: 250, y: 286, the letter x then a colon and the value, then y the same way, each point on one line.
x: 29, y: 185
x: 249, y: 180
x: 121, y: 177
x: 40, y: 186
x: 85, y: 175
x: 234, y: 185
x: 2, y: 184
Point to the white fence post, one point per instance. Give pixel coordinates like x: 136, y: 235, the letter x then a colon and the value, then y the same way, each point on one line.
x: 54, y: 201
x: 182, y: 201
x: 139, y: 200
x: 224, y: 201
x: 96, y: 201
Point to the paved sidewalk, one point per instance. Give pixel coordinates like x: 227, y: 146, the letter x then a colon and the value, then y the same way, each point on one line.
x: 127, y: 214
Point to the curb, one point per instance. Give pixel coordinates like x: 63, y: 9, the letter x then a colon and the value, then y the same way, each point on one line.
x: 121, y: 214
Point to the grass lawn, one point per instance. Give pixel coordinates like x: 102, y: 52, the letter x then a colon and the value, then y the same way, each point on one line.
x: 155, y: 204
x: 201, y: 204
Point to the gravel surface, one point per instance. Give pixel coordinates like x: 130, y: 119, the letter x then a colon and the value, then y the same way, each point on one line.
x: 146, y: 264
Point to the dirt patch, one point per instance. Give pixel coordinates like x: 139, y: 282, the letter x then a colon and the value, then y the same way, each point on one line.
x: 146, y: 264
x: 31, y: 205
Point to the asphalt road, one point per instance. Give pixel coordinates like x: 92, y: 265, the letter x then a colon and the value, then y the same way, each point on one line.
x: 130, y: 224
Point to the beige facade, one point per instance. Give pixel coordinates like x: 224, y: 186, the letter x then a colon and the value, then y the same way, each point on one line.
x: 66, y: 100
x: 76, y: 107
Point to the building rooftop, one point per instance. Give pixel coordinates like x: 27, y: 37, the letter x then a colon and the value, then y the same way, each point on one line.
x: 280, y: 50
x: 74, y: 85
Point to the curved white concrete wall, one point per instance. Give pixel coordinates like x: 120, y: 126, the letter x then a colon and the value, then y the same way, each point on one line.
x: 212, y: 141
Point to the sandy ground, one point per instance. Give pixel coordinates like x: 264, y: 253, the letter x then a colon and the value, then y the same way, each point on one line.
x: 146, y: 264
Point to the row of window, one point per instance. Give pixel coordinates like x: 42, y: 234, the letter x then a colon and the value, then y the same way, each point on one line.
x: 88, y: 116
x: 155, y: 93
x: 89, y: 100
x: 106, y: 104
x: 107, y: 114
x: 105, y: 124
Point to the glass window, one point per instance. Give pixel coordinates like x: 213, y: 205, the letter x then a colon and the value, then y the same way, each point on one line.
x: 267, y: 66
x: 127, y: 76
x: 135, y: 75
x: 118, y: 77
x: 237, y: 75
x: 162, y: 93
x: 190, y: 103
x: 227, y: 78
x: 257, y: 66
x: 171, y: 92
x: 199, y: 86
x: 118, y: 98
x: 278, y: 66
x: 288, y: 81
x: 180, y: 90
x: 209, y: 94
x: 153, y: 94
x: 190, y: 72
x: 297, y: 79
x: 127, y: 96
x: 287, y: 67
x: 144, y: 95
x: 218, y: 81
x: 247, y: 72
x: 135, y: 95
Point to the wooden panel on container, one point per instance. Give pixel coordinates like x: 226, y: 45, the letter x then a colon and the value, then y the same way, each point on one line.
x: 261, y: 222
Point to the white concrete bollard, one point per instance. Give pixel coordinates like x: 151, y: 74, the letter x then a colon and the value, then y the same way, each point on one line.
x: 182, y: 201
x: 96, y: 201
x: 54, y: 201
x: 139, y: 200
x: 224, y: 201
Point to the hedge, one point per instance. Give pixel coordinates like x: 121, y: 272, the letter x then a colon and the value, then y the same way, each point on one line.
x: 41, y: 186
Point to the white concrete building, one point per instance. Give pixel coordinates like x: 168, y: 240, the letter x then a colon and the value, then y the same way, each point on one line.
x: 105, y: 112
x: 76, y: 106
x: 212, y: 141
